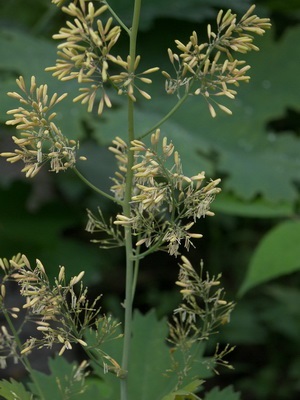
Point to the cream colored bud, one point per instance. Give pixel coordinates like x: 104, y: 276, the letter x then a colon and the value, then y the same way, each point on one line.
x: 182, y: 284
x: 83, y: 343
x: 186, y: 263
x: 62, y: 350
x: 77, y: 278
x: 26, y: 350
x: 40, y: 266
x: 43, y: 328
x: 61, y: 275
x: 195, y: 235
x: 225, y: 109
x: 140, y: 242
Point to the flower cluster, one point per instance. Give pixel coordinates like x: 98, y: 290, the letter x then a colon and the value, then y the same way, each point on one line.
x: 126, y: 81
x: 113, y: 235
x: 40, y: 139
x: 203, y: 300
x: 60, y: 314
x: 85, y: 55
x: 210, y: 69
x: 162, y: 196
x: 202, y: 310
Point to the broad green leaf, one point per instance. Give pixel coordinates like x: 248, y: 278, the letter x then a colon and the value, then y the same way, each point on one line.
x: 222, y: 394
x: 150, y: 360
x: 27, y: 55
x: 277, y: 254
x: 187, y: 392
x: 13, y: 390
x: 285, y: 301
x: 227, y: 203
x: 61, y: 384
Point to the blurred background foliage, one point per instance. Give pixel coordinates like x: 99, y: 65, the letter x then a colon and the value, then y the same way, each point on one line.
x: 254, y: 239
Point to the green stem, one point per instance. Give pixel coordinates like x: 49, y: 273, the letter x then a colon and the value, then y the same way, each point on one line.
x: 153, y: 248
x: 136, y: 270
x: 166, y: 117
x: 99, y: 191
x: 117, y: 18
x: 126, y: 210
x: 44, y: 21
x: 181, y: 100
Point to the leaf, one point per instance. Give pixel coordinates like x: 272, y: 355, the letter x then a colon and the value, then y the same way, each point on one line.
x: 150, y: 358
x: 60, y: 384
x: 222, y: 394
x: 149, y: 361
x: 228, y: 203
x: 27, y: 55
x: 13, y: 390
x: 187, y: 392
x: 277, y: 254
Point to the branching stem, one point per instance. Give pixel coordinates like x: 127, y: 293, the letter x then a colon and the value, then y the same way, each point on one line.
x: 126, y: 210
x: 95, y: 188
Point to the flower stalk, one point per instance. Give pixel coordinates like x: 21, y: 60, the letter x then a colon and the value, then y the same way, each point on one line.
x: 127, y: 210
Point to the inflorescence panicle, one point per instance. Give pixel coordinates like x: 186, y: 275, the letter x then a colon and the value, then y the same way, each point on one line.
x: 202, y: 310
x: 86, y: 55
x: 210, y: 69
x: 62, y: 312
x: 40, y: 139
x: 162, y: 195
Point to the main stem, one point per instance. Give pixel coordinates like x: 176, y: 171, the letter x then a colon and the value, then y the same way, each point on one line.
x: 126, y: 210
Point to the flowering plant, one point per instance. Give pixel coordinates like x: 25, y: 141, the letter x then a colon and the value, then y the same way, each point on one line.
x: 158, y: 204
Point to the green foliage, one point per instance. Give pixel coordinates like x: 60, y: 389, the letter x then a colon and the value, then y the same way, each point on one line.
x: 151, y: 373
x: 13, y: 390
x: 277, y: 254
x: 61, y: 383
x: 222, y: 394
x: 18, y: 61
x: 56, y: 247
x: 187, y: 392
